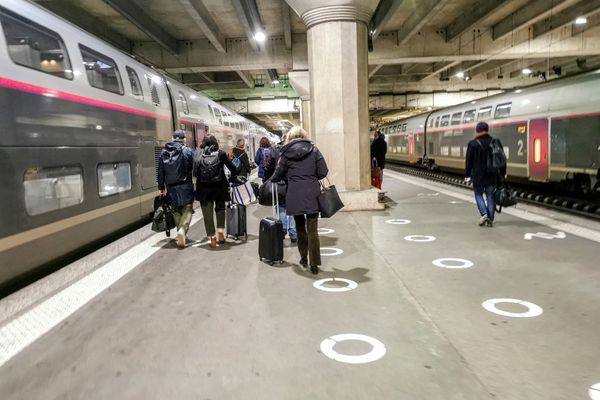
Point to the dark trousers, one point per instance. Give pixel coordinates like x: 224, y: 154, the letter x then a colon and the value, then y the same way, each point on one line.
x: 209, y: 219
x: 308, y: 237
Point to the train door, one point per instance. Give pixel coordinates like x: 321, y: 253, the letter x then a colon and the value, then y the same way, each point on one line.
x: 411, y: 147
x: 538, y: 150
x: 200, y: 133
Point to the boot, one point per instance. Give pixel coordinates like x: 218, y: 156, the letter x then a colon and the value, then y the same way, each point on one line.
x: 221, y: 236
x: 213, y: 242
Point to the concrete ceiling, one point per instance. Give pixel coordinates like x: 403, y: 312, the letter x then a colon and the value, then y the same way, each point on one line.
x: 419, y: 45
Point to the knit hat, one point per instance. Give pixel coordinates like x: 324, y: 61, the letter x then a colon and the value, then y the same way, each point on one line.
x: 482, y: 127
x: 178, y: 135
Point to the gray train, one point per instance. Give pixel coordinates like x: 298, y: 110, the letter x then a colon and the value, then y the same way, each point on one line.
x: 550, y: 132
x: 81, y: 127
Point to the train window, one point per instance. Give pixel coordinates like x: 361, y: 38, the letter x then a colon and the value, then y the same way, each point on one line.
x: 101, y: 71
x: 184, y: 104
x: 34, y: 46
x: 134, y: 81
x: 218, y: 115
x: 502, y: 111
x: 114, y: 178
x: 437, y: 122
x: 484, y: 113
x: 153, y: 90
x: 50, y: 189
x: 445, y: 121
x: 212, y: 113
x: 469, y: 116
x: 537, y: 150
x: 456, y: 118
x: 403, y: 127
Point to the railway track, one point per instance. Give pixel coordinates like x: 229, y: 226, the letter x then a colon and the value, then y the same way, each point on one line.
x: 583, y: 207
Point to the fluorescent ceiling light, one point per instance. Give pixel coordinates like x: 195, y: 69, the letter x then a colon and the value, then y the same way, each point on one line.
x: 581, y: 21
x: 260, y: 36
x: 460, y: 75
x: 275, y: 82
x: 526, y: 71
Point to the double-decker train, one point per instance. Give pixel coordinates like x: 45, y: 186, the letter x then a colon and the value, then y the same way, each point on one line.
x: 550, y: 132
x: 81, y: 127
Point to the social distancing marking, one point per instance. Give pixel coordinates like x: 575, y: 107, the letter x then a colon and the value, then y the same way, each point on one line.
x: 325, y: 231
x: 533, y: 310
x: 452, y: 263
x: 396, y: 221
x: 419, y: 238
x: 331, y: 251
x: 350, y: 285
x: 594, y: 391
x: 375, y: 354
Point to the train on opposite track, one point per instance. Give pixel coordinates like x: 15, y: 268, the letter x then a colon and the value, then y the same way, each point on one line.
x: 81, y: 128
x: 550, y: 132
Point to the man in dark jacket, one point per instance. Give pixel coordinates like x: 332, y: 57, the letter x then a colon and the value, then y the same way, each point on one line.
x: 378, y: 151
x: 289, y: 224
x: 484, y: 181
x: 175, y: 167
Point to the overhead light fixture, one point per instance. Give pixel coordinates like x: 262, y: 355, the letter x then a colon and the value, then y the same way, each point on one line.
x: 260, y: 36
x: 467, y: 77
x: 581, y: 21
x: 527, y: 71
x: 460, y: 75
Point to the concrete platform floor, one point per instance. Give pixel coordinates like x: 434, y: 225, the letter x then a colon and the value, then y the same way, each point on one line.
x: 202, y: 324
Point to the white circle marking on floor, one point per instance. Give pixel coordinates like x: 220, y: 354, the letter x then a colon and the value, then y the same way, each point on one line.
x: 442, y: 263
x: 594, y: 391
x: 375, y: 354
x: 334, y: 251
x: 397, y: 221
x: 533, y: 309
x: 419, y: 238
x: 325, y: 231
x: 350, y: 285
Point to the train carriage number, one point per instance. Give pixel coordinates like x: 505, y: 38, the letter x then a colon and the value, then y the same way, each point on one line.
x: 520, y: 145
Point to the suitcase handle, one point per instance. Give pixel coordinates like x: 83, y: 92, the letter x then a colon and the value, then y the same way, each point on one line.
x: 275, y: 199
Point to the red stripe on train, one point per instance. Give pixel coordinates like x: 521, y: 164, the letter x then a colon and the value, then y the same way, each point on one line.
x: 40, y: 90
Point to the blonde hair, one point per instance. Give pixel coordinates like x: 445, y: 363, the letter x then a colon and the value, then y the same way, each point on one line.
x: 296, y: 133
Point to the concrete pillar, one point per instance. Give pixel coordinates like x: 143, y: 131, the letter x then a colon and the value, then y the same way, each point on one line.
x: 339, y: 95
x: 305, y: 115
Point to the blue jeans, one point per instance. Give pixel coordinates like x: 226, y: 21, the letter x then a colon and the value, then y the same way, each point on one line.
x: 487, y: 206
x: 288, y: 222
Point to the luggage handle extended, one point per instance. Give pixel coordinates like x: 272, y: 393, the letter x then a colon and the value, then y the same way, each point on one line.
x: 275, y: 200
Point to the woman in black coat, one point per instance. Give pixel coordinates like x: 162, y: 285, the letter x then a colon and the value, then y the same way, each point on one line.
x: 212, y: 187
x: 302, y: 165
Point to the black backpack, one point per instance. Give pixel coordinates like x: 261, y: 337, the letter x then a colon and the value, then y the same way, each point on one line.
x: 209, y: 166
x: 496, y: 159
x: 174, y: 162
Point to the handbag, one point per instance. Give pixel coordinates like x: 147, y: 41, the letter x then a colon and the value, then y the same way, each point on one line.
x: 163, y: 219
x: 375, y: 174
x: 329, y: 200
x: 243, y: 194
x: 504, y: 197
x: 265, y: 195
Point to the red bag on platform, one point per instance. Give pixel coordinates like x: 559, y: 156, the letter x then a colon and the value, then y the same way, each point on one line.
x: 375, y: 174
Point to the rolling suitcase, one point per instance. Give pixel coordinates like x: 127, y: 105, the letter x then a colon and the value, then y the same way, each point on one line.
x: 270, y: 234
x: 236, y: 221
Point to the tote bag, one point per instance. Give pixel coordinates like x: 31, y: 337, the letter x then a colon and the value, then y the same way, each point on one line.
x: 243, y: 194
x: 329, y: 200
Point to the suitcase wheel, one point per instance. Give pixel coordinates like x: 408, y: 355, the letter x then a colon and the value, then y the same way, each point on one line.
x: 271, y: 263
x: 281, y: 262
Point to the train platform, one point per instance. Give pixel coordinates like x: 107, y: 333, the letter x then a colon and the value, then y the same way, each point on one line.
x: 425, y: 305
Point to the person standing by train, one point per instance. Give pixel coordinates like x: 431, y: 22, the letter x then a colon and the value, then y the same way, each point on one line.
x: 212, y: 187
x: 302, y: 165
x: 480, y: 171
x: 239, y: 158
x: 378, y: 152
x: 262, y: 155
x: 175, y: 166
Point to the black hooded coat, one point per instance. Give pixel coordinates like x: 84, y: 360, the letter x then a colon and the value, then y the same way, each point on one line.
x: 302, y: 165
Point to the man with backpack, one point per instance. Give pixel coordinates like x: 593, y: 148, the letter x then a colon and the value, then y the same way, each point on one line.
x: 175, y: 166
x: 485, y: 166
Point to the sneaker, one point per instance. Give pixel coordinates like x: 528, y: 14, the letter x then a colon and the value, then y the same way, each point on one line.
x: 180, y: 238
x: 314, y: 269
x: 489, y: 223
x: 304, y: 263
x: 483, y: 220
x: 293, y: 240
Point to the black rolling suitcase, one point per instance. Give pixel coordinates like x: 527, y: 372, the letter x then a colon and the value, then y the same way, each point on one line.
x: 270, y: 235
x: 236, y: 221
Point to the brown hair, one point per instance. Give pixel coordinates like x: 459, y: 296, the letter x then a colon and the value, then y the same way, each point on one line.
x: 264, y: 142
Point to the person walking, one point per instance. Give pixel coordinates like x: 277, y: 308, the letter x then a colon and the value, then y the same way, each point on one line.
x: 482, y: 174
x: 378, y: 152
x: 239, y: 158
x: 289, y: 224
x: 302, y: 165
x: 175, y: 166
x: 262, y: 154
x: 212, y: 187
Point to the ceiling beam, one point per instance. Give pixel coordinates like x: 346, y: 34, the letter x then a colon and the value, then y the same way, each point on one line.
x: 438, y: 68
x: 87, y: 22
x: 566, y: 17
x: 421, y: 15
x: 384, y: 11
x: 531, y: 13
x: 249, y: 16
x: 198, y: 12
x: 467, y: 20
x: 487, y: 66
x: 287, y: 24
x: 246, y: 78
x: 373, y: 69
x: 141, y: 19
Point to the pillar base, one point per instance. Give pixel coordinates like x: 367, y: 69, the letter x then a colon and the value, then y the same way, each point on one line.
x: 363, y: 200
